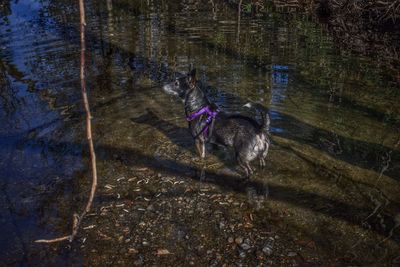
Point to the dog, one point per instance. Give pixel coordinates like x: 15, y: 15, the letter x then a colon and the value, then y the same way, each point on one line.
x: 249, y: 139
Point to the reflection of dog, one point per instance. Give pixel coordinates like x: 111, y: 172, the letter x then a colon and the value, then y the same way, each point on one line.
x: 248, y: 138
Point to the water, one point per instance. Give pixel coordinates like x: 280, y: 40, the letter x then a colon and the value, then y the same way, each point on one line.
x: 330, y: 191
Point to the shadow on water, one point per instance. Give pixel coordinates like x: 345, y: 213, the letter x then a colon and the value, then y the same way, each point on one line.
x: 177, y: 135
x: 354, y: 152
x: 133, y: 157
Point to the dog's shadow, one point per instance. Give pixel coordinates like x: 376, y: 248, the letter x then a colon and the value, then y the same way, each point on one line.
x: 176, y: 134
x: 181, y: 137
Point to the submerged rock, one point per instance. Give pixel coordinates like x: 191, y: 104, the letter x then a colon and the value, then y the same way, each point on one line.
x: 245, y: 246
x: 267, y: 250
x: 239, y: 240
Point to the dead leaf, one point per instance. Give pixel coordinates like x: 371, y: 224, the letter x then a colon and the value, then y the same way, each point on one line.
x: 161, y: 252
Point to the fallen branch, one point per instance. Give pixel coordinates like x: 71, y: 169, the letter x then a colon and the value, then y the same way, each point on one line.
x: 77, y: 219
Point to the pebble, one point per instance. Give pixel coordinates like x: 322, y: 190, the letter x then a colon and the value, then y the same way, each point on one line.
x: 292, y: 254
x: 245, y: 246
x: 267, y: 250
x: 239, y: 240
x: 242, y: 254
x: 133, y: 251
x: 230, y: 240
x: 213, y: 262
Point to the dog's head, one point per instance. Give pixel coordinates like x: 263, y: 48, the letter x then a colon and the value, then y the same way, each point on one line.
x: 182, y: 84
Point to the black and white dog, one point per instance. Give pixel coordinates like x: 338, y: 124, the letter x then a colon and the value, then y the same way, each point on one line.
x: 207, y: 123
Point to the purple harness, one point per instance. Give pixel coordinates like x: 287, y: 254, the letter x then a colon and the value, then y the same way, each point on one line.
x: 211, y: 115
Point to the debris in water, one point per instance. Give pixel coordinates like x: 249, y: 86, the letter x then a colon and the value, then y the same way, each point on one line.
x: 163, y: 252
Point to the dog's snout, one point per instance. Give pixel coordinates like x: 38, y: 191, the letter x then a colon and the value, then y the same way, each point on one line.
x: 169, y: 88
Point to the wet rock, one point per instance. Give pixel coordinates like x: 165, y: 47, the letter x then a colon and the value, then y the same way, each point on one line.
x: 213, y: 262
x: 132, y: 251
x: 245, y: 246
x: 239, y: 240
x: 267, y: 250
x: 242, y: 254
x: 161, y: 252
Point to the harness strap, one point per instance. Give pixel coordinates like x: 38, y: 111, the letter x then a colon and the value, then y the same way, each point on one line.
x: 211, y: 115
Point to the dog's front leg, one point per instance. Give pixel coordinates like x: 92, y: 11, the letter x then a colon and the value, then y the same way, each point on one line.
x: 201, y: 148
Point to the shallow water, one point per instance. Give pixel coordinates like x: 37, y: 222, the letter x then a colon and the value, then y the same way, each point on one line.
x: 332, y: 173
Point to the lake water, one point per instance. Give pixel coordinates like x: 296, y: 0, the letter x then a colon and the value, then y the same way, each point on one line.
x: 333, y: 172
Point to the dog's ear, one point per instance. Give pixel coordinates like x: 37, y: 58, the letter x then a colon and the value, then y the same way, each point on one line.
x: 192, y: 73
x: 192, y: 76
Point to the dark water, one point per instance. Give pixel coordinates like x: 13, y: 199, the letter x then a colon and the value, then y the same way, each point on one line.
x: 335, y: 161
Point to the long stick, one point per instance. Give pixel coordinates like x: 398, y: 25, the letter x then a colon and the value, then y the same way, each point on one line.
x: 77, y: 219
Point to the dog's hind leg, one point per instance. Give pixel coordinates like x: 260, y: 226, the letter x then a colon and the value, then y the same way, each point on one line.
x: 250, y: 170
x: 262, y: 162
x: 244, y: 166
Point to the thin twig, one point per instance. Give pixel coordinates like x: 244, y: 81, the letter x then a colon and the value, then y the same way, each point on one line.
x: 77, y: 219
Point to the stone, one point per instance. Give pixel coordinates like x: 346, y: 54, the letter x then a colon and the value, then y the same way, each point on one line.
x: 239, y: 240
x: 245, y: 246
x: 267, y: 250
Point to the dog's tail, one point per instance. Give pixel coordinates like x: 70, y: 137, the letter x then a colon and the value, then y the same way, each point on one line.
x: 265, y: 120
x: 264, y: 114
